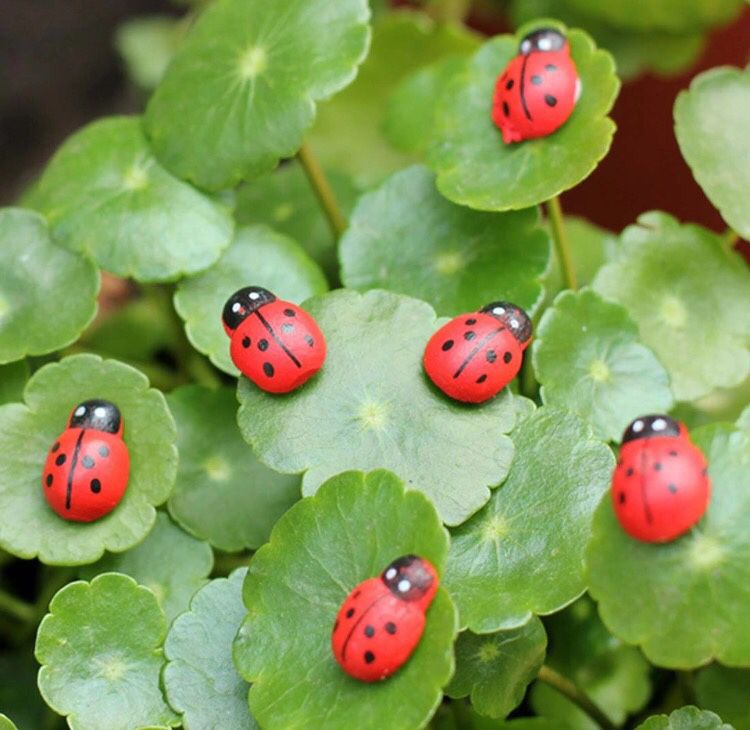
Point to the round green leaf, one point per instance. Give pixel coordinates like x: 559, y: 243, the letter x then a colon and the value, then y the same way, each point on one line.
x: 496, y: 668
x: 241, y: 90
x: 323, y: 547
x: 259, y: 256
x: 100, y: 648
x: 223, y: 493
x: 676, y: 281
x: 372, y: 406
x: 35, y: 277
x: 408, y: 238
x: 170, y: 563
x: 30, y: 528
x: 200, y: 680
x: 13, y: 379
x: 105, y: 194
x: 476, y: 168
x: 589, y: 360
x: 725, y: 691
x: 523, y: 553
x: 6, y: 723
x: 709, y: 123
x: 683, y: 602
x: 687, y: 718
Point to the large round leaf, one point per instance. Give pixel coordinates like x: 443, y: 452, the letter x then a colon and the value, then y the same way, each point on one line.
x: 725, y: 691
x: 677, y: 281
x: 589, y: 360
x: 683, y: 602
x: 408, y: 238
x: 47, y: 294
x: 223, y: 493
x: 710, y: 122
x: 13, y: 379
x: 242, y: 88
x: 257, y: 256
x: 372, y: 406
x: 476, y: 168
x: 100, y: 648
x: 319, y: 551
x: 29, y: 527
x: 523, y: 553
x: 687, y: 718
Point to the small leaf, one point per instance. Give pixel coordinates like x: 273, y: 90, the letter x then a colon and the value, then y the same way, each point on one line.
x: 709, y: 123
x: 407, y: 238
x: 725, y: 691
x: 589, y: 360
x: 171, y: 564
x: 676, y: 281
x: 258, y: 256
x: 687, y: 718
x: 200, y: 680
x: 319, y: 550
x: 223, y: 493
x: 683, y: 602
x: 241, y: 90
x: 496, y: 668
x: 100, y: 648
x: 105, y: 194
x: 35, y: 277
x: 476, y: 168
x: 27, y: 431
x: 371, y: 406
x: 523, y: 553
x: 13, y: 379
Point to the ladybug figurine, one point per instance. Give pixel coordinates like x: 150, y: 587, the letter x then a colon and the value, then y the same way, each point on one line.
x: 474, y: 356
x: 87, y: 468
x: 660, y: 487
x: 381, y: 622
x: 275, y: 344
x: 538, y: 90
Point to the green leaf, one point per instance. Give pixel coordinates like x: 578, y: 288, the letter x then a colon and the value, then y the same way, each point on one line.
x: 13, y: 379
x: 171, y: 564
x: 105, y: 194
x: 709, y: 119
x: 200, y: 680
x: 725, y: 691
x: 241, y: 90
x: 687, y: 718
x: 407, y: 238
x: 323, y: 547
x: 589, y: 360
x: 100, y: 648
x: 259, y: 256
x: 35, y: 277
x: 477, y: 169
x: 496, y: 668
x: 30, y: 528
x: 678, y: 280
x: 372, y: 406
x: 683, y: 602
x: 525, y: 723
x: 6, y: 723
x: 523, y: 553
x: 223, y: 493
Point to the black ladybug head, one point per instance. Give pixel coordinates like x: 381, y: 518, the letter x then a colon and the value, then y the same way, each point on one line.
x: 649, y: 426
x: 99, y: 415
x: 243, y: 303
x: 513, y: 317
x: 544, y: 40
x: 409, y: 577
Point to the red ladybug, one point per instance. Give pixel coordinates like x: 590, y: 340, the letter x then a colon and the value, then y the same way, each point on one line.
x: 87, y: 468
x: 474, y: 356
x: 381, y: 622
x: 274, y: 343
x: 539, y: 88
x: 660, y: 487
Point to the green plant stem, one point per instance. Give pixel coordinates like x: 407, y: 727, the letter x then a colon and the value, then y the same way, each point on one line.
x: 322, y: 189
x: 576, y: 695
x: 560, y: 239
x: 17, y: 608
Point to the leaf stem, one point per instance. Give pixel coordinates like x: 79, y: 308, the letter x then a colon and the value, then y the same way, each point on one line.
x: 560, y: 239
x: 576, y: 695
x: 322, y: 189
x: 17, y: 608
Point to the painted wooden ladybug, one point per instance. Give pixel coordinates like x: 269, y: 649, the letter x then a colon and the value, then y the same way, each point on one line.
x: 538, y: 90
x: 276, y: 344
x: 474, y: 356
x: 660, y: 487
x: 87, y: 468
x: 381, y: 622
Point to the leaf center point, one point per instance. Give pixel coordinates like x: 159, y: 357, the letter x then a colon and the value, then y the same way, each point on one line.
x: 706, y: 553
x: 136, y: 178
x: 373, y: 416
x: 673, y: 312
x: 450, y: 262
x: 494, y: 528
x: 112, y: 668
x: 600, y: 372
x: 487, y: 652
x: 217, y: 468
x: 253, y: 63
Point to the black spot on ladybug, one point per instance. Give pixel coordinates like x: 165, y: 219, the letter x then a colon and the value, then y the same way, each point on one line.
x: 672, y: 488
x: 482, y: 378
x: 673, y: 453
x: 49, y: 480
x: 96, y: 486
x: 369, y: 631
x: 550, y: 100
x: 350, y: 613
x: 103, y: 451
x: 551, y: 67
x: 506, y: 109
x: 263, y: 345
x: 509, y: 85
x: 629, y: 472
x: 657, y: 466
x: 390, y: 627
x: 287, y: 327
x: 268, y: 369
x: 536, y: 79
x: 447, y: 345
x: 369, y: 657
x: 705, y: 471
x: 507, y: 357
x: 60, y: 460
x: 471, y: 322
x: 88, y: 462
x: 56, y: 446
x: 246, y: 342
x: 622, y: 498
x: 491, y: 356
x: 290, y: 312
x: 470, y: 335
x: 310, y: 341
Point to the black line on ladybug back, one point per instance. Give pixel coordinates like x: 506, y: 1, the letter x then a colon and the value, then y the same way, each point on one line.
x: 476, y: 349
x: 73, y: 462
x: 522, y: 88
x: 646, y: 508
x: 358, y: 622
x: 264, y: 322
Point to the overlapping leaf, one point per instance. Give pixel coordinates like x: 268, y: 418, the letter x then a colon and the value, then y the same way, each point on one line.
x: 725, y: 691
x: 686, y: 718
